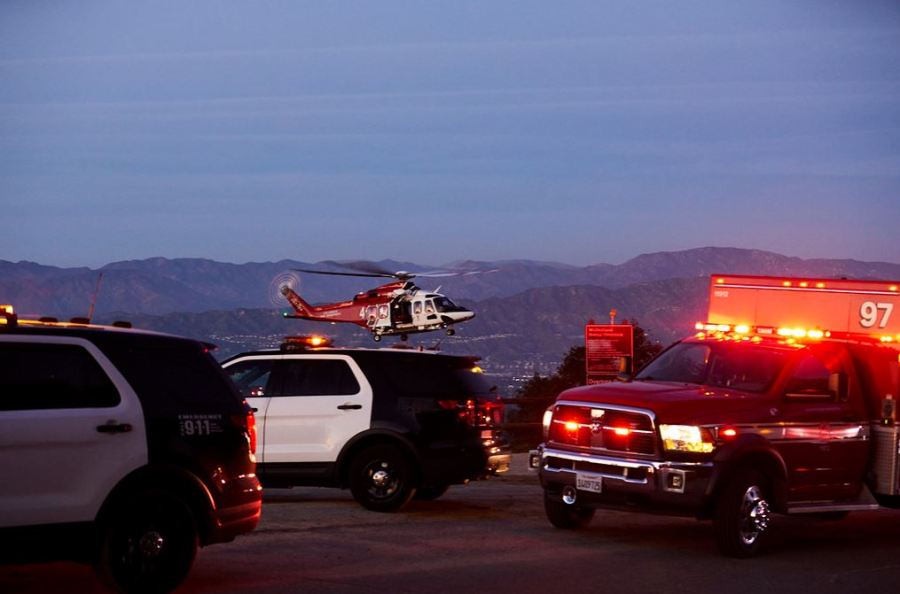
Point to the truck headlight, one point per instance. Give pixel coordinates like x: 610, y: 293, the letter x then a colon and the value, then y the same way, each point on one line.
x: 548, y: 417
x: 686, y: 438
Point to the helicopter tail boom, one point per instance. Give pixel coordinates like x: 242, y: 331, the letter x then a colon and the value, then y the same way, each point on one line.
x: 302, y: 308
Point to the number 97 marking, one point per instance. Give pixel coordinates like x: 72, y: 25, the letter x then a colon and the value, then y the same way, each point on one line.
x: 869, y: 314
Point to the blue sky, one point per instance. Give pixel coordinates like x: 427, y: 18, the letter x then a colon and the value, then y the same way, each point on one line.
x: 581, y: 132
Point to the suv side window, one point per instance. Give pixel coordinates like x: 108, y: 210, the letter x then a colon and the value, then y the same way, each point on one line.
x: 317, y: 377
x: 251, y: 377
x: 46, y: 376
x: 173, y: 376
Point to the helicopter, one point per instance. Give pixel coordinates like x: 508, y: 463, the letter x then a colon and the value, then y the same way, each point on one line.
x: 396, y: 308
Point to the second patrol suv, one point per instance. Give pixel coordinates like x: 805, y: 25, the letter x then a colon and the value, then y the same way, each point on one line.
x: 389, y: 424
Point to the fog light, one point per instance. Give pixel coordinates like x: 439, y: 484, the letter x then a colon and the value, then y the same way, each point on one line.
x: 569, y: 495
x: 674, y: 481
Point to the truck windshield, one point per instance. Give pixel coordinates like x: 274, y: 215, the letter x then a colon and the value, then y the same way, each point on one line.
x: 739, y: 367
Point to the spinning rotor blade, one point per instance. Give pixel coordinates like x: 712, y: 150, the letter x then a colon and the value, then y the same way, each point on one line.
x: 332, y: 273
x: 370, y: 270
x: 367, y: 267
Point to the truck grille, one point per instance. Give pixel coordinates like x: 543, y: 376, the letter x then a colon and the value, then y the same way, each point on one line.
x: 603, y: 428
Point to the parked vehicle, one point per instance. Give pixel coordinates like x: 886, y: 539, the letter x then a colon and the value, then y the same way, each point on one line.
x: 783, y: 402
x: 388, y: 424
x: 119, y: 447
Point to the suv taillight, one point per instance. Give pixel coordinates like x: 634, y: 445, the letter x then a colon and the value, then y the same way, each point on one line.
x: 251, y: 430
x: 477, y: 412
x: 247, y: 422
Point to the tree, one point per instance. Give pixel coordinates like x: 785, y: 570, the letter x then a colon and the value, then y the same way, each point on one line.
x: 644, y: 348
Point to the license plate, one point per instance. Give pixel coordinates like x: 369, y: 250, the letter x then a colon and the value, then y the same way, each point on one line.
x: 594, y: 484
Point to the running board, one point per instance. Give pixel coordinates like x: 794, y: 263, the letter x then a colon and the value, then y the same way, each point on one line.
x: 866, y: 502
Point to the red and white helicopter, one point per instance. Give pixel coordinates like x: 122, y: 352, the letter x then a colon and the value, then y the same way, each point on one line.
x: 396, y: 308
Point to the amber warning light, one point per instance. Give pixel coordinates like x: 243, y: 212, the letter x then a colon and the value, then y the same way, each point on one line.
x: 305, y: 342
x: 8, y: 315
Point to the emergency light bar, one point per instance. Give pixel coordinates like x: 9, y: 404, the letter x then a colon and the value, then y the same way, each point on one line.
x: 8, y: 315
x: 305, y: 342
x: 795, y: 308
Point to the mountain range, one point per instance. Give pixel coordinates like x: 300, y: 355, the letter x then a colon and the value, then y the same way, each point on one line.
x: 528, y: 312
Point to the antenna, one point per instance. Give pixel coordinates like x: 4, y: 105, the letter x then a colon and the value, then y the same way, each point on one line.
x: 90, y: 315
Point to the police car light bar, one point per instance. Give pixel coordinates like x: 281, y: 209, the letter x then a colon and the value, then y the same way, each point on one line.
x: 8, y: 315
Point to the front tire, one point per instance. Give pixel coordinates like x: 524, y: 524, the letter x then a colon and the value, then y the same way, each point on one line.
x: 566, y: 517
x: 382, y: 478
x: 742, y: 515
x: 148, y: 544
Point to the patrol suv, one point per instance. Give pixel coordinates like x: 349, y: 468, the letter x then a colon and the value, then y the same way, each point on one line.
x: 123, y: 448
x: 389, y: 424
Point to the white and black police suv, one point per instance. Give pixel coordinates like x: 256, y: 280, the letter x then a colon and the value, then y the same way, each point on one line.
x: 123, y: 448
x: 388, y: 424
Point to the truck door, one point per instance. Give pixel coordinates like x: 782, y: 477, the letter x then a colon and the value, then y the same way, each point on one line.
x: 823, y: 435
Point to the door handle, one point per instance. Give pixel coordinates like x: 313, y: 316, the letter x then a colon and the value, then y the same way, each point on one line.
x: 349, y: 406
x: 113, y: 427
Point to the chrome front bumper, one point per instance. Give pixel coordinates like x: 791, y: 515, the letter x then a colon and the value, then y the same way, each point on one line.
x: 629, y: 480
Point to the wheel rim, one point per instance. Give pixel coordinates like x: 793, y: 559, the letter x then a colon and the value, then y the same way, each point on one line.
x: 382, y: 479
x: 140, y: 554
x: 755, y: 515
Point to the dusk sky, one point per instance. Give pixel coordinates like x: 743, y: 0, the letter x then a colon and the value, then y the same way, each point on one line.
x: 580, y: 132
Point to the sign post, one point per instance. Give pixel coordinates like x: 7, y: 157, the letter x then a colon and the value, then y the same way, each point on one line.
x: 608, y: 351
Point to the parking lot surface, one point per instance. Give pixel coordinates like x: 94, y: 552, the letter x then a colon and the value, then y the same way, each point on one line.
x: 492, y: 536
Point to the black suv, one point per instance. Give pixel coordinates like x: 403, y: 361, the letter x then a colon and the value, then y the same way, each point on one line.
x: 119, y: 447
x: 389, y: 424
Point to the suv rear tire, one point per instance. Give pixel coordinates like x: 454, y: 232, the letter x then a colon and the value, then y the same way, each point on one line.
x: 382, y: 478
x: 148, y: 544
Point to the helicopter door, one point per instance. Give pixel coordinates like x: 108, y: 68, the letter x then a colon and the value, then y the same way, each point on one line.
x: 424, y: 313
x: 418, y: 312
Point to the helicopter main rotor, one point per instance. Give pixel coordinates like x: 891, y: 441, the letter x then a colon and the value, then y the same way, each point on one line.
x: 369, y: 270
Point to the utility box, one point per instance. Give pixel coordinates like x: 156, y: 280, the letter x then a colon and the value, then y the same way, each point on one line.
x: 886, y: 459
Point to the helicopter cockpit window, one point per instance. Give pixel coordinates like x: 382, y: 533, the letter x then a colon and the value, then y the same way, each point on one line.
x: 429, y: 307
x: 417, y: 308
x: 444, y: 304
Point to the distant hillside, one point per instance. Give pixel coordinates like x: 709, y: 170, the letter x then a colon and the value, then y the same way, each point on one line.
x: 528, y: 313
x: 518, y: 334
x: 160, y: 286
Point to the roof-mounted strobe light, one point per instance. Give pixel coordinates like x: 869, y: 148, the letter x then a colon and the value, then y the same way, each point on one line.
x: 8, y: 315
x: 304, y: 342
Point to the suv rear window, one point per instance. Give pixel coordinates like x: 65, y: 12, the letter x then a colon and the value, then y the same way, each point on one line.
x: 173, y: 376
x: 435, y: 377
x: 46, y: 376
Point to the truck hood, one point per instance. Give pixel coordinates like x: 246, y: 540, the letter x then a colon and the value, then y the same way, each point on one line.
x: 675, y: 403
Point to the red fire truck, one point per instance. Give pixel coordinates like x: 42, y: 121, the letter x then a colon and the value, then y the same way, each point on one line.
x: 783, y: 402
